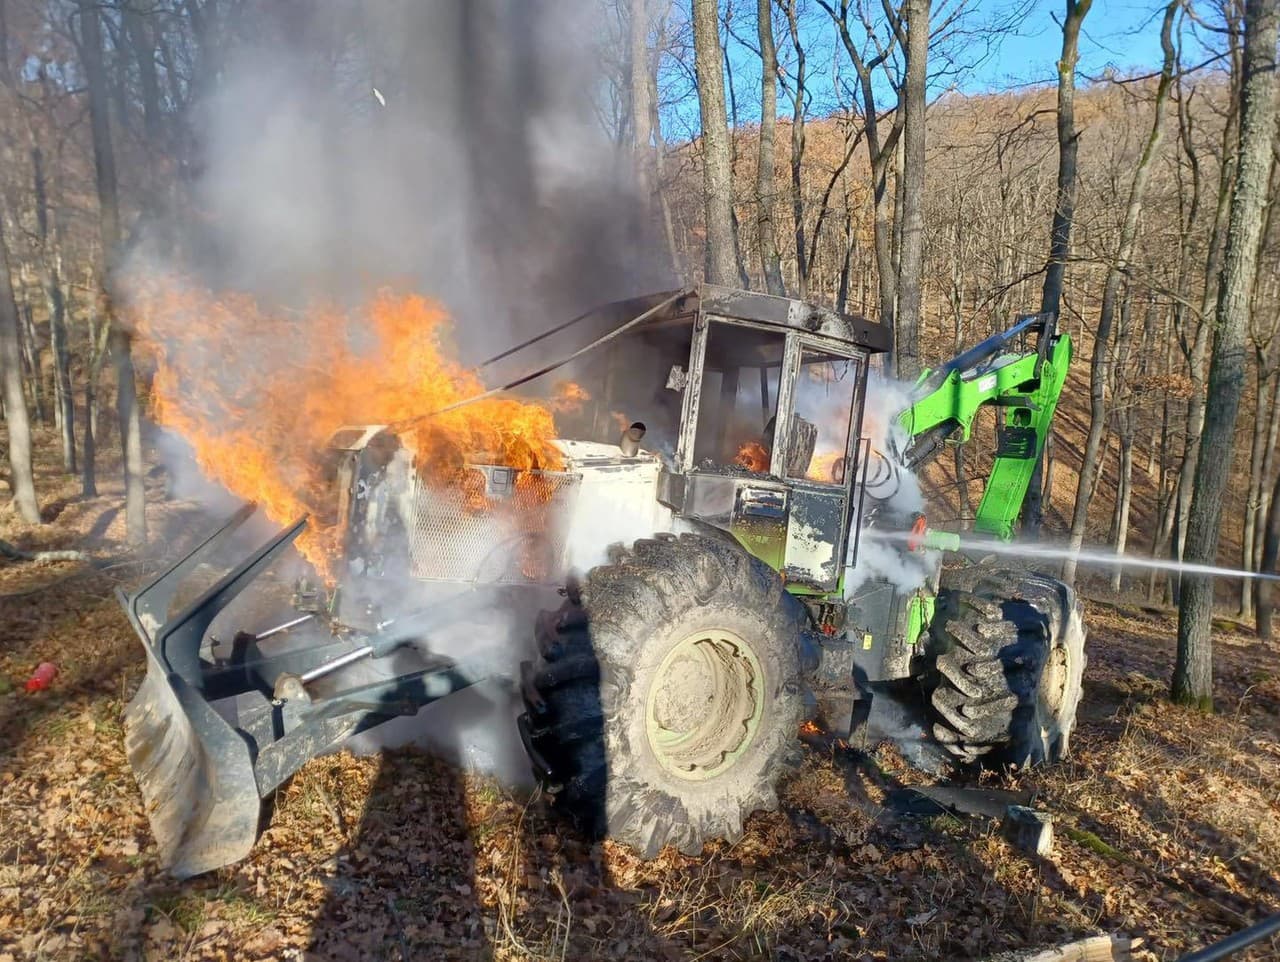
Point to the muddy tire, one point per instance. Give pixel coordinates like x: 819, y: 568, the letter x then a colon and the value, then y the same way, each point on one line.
x: 666, y: 703
x: 1007, y: 678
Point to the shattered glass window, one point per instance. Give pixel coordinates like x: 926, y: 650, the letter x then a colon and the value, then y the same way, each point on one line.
x: 739, y: 398
x: 823, y: 405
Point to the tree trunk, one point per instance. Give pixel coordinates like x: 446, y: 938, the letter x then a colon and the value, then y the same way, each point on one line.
x: 1165, y: 500
x: 1266, y: 596
x: 21, y: 477
x: 770, y: 262
x: 22, y: 481
x: 641, y: 127
x: 1193, y: 672
x: 30, y: 345
x: 1200, y: 347
x: 97, y: 352
x: 1116, y: 271
x: 1063, y: 214
x: 717, y: 177
x: 1253, y: 508
x: 1268, y: 465
x: 660, y: 153
x: 51, y: 251
x: 803, y: 266
x: 1124, y: 498
x: 911, y: 214
x: 109, y: 223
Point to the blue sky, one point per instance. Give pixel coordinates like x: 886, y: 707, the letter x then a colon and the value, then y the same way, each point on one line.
x: 1121, y: 35
x: 1118, y: 33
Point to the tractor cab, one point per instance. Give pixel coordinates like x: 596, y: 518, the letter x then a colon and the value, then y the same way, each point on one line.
x: 755, y: 403
x: 752, y: 403
x: 769, y: 446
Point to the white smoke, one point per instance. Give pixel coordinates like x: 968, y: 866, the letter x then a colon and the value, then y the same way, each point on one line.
x: 893, y: 495
x: 452, y: 147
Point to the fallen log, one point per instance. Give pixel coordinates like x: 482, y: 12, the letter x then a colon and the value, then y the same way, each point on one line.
x: 1095, y: 948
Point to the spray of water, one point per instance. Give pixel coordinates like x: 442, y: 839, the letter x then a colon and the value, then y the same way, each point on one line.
x: 1085, y: 556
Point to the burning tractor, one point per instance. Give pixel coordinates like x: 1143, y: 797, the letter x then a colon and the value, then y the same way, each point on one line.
x: 730, y: 527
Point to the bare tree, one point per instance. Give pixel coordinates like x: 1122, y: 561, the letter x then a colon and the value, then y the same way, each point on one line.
x: 21, y: 479
x: 911, y: 212
x: 109, y: 224
x: 770, y: 262
x: 798, y: 94
x: 1116, y: 271
x: 717, y: 172
x: 880, y: 147
x: 1198, y: 348
x: 1063, y: 214
x: 1193, y: 671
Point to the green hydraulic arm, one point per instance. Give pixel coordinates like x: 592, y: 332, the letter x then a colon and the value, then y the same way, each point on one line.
x: 1026, y: 384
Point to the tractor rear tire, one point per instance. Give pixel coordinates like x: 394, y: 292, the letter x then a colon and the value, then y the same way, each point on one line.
x: 1007, y: 679
x: 667, y: 701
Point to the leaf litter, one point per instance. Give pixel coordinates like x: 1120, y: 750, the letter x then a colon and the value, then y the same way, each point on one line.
x: 1166, y: 830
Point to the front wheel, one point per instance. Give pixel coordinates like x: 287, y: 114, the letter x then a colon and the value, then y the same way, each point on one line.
x: 667, y: 700
x: 1007, y: 679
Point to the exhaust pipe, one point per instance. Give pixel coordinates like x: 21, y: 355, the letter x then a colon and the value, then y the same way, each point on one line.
x: 630, y: 440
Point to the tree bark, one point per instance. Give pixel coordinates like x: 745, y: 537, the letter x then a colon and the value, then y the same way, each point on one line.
x: 797, y: 154
x: 641, y: 126
x: 1063, y: 215
x: 51, y: 251
x: 911, y: 214
x: 97, y: 352
x: 1266, y: 594
x: 1200, y: 347
x: 18, y: 422
x: 1253, y: 507
x: 109, y: 224
x: 770, y: 261
x: 1193, y: 671
x: 717, y: 176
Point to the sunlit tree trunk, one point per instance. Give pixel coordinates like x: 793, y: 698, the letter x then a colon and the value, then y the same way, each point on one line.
x: 770, y: 262
x: 911, y: 211
x: 1193, y: 671
x: 1063, y: 215
x: 717, y: 175
x: 17, y: 420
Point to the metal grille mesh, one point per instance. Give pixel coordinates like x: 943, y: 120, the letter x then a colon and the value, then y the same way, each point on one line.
x: 513, y: 532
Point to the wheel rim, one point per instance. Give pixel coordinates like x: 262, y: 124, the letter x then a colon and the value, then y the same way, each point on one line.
x: 705, y: 704
x: 1053, y: 681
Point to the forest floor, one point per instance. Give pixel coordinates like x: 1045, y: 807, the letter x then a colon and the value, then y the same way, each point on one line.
x: 1167, y: 823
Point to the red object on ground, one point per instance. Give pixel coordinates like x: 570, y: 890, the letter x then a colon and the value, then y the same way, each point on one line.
x: 43, y: 676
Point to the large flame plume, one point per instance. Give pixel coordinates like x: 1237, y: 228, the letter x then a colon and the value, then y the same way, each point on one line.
x: 259, y: 391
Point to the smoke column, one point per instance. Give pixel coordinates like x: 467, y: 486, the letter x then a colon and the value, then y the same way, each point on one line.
x: 452, y: 148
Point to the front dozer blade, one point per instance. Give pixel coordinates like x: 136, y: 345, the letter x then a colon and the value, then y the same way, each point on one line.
x: 194, y: 770
x: 208, y: 776
x: 195, y: 773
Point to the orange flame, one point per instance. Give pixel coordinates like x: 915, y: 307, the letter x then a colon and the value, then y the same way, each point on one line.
x: 753, y: 456
x: 259, y: 391
x: 569, y: 397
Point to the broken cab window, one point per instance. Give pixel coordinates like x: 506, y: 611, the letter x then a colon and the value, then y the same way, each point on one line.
x: 823, y: 405
x: 739, y: 398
